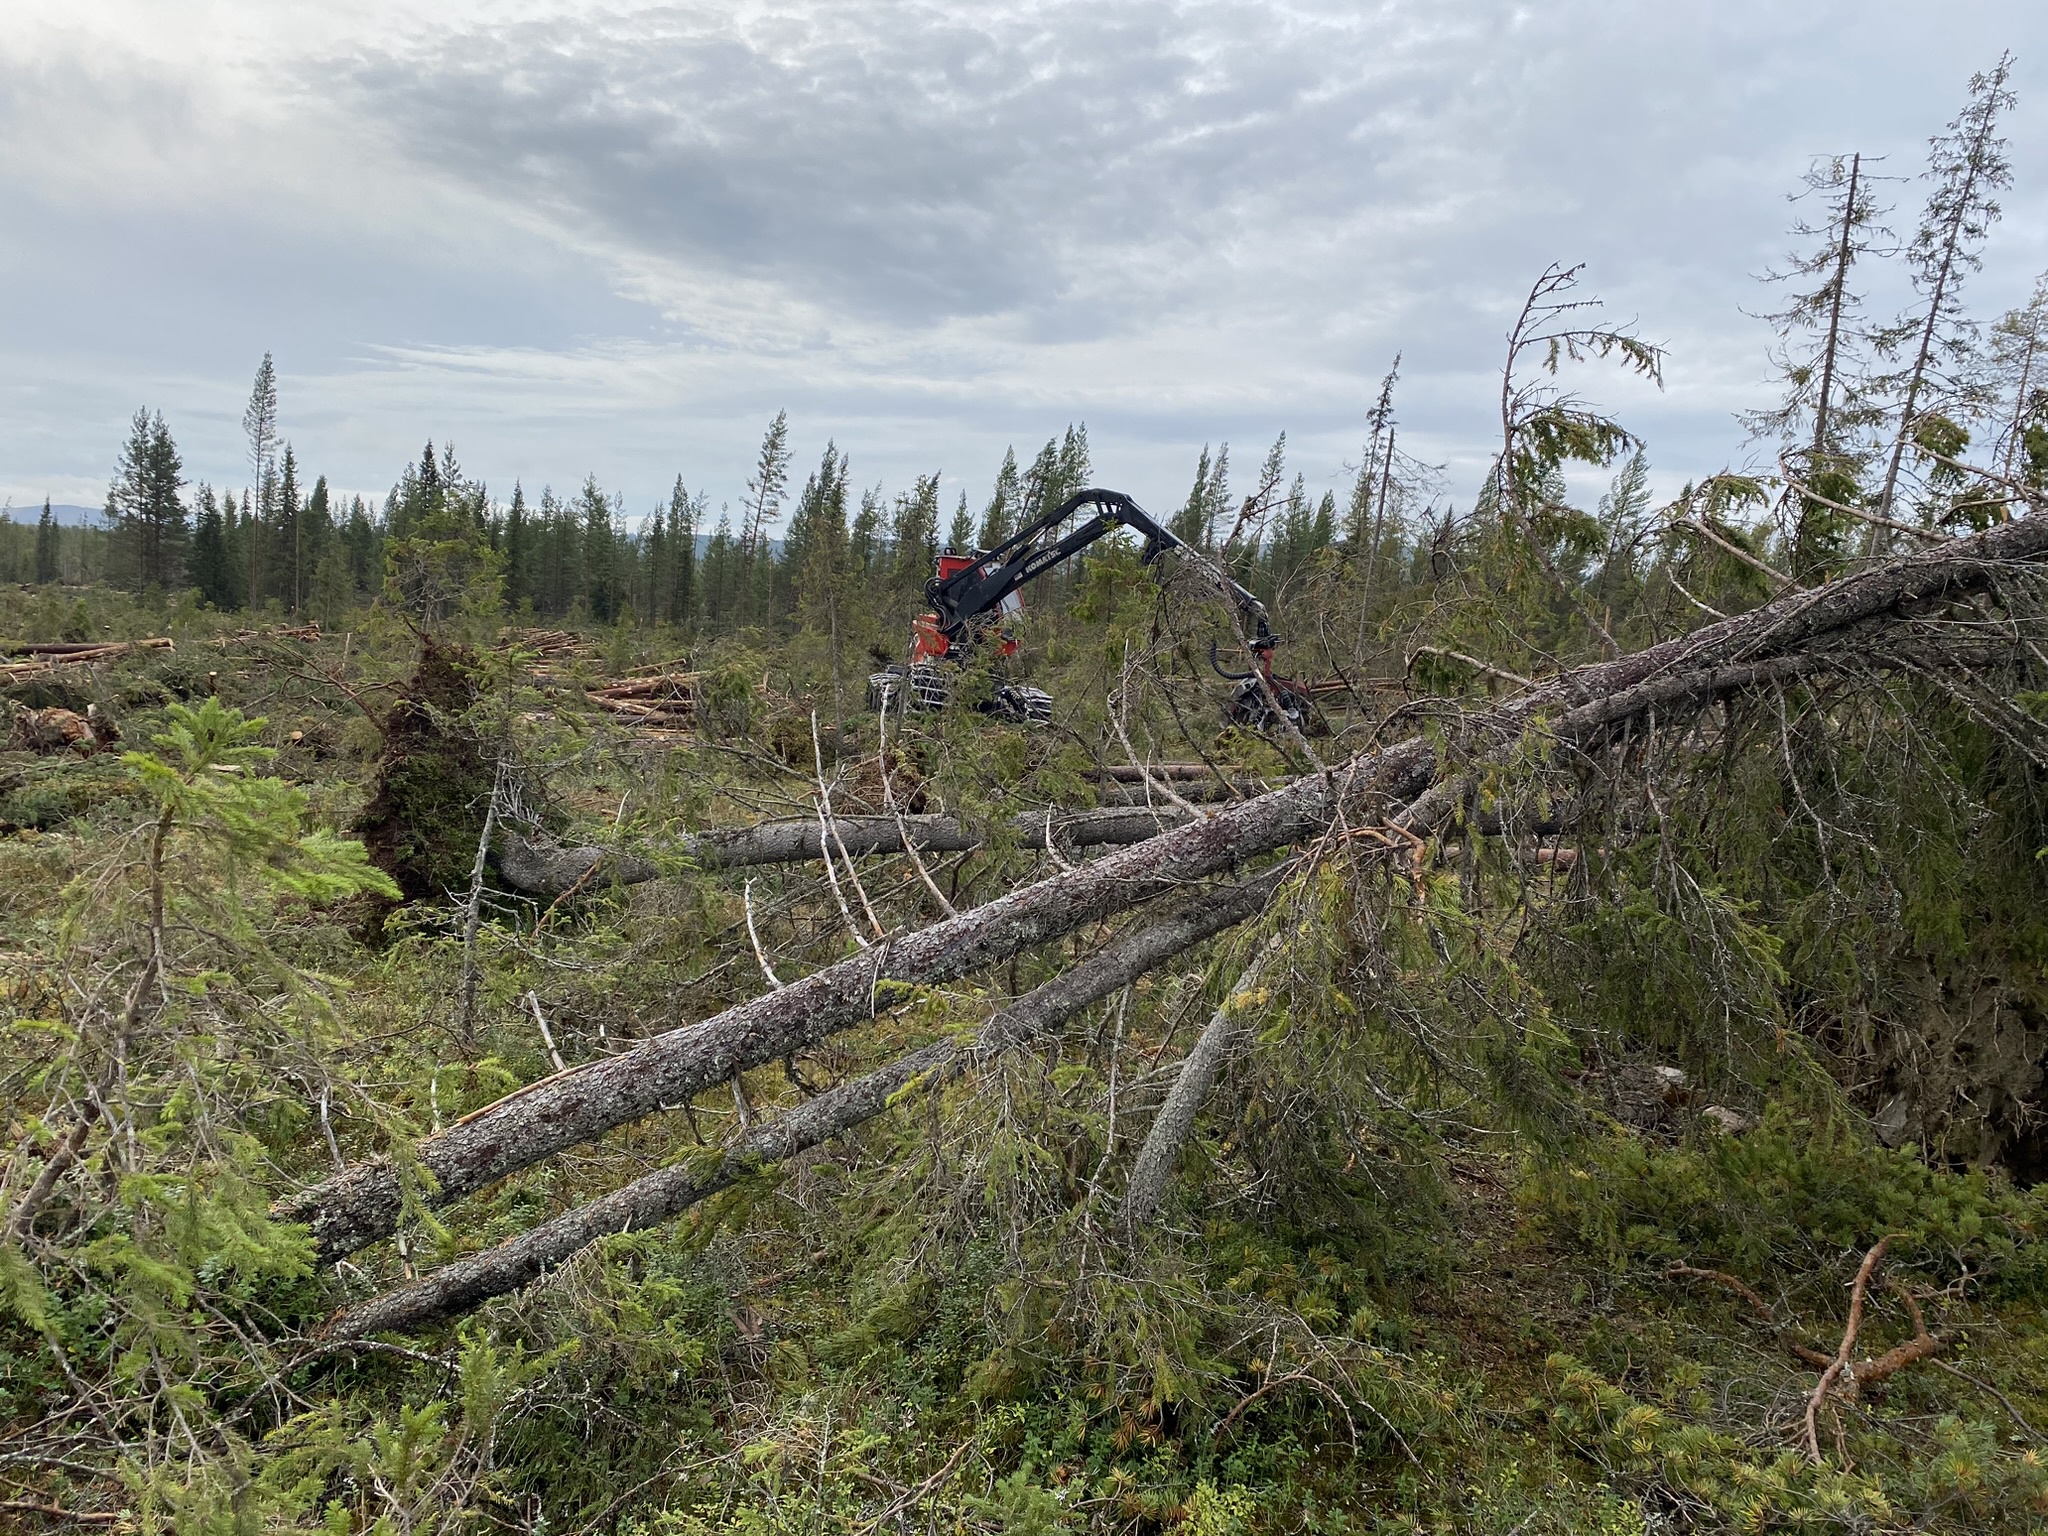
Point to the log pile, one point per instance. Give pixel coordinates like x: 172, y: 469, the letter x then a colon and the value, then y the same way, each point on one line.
x: 661, y: 705
x: 42, y: 660
x: 554, y: 651
x: 288, y: 632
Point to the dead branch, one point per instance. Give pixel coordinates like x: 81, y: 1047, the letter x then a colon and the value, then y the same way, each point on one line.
x: 23, y: 1216
x: 1922, y: 1345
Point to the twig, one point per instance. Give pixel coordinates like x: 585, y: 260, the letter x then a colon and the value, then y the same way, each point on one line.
x: 832, y: 822
x: 1471, y: 661
x: 1275, y: 1384
x: 1985, y: 1386
x: 902, y: 830
x: 747, y: 901
x: 1722, y: 1278
x: 58, y: 1512
x: 1694, y: 525
x: 539, y: 1018
x: 823, y: 804
x: 923, y: 1488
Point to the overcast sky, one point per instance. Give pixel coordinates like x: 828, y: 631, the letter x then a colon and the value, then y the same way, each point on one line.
x: 615, y: 238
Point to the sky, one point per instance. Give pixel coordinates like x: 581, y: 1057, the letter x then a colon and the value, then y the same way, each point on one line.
x: 616, y: 239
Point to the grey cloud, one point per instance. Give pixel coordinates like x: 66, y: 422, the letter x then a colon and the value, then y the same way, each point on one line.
x: 924, y: 164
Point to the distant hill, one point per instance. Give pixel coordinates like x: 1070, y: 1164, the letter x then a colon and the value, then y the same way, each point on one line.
x: 68, y: 515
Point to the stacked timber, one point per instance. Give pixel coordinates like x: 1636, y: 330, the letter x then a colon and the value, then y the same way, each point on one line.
x: 657, y: 704
x: 41, y: 660
x: 287, y: 632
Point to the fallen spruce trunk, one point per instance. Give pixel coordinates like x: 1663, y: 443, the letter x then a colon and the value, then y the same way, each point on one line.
x: 542, y: 870
x: 468, y: 1282
x: 1783, y: 639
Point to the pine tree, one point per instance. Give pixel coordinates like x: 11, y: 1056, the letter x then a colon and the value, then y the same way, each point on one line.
x: 1968, y: 167
x: 46, y: 546
x: 960, y: 536
x: 999, y: 518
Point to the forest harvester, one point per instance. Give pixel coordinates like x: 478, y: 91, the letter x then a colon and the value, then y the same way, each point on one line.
x: 975, y: 593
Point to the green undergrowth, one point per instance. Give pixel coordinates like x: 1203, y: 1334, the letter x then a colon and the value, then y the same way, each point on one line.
x: 1534, y: 1365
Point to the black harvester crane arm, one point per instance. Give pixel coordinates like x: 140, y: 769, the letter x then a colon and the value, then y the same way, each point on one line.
x: 967, y: 596
x: 969, y: 593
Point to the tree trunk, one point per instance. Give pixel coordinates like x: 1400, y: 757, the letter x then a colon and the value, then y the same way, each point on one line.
x: 657, y: 1197
x: 543, y: 870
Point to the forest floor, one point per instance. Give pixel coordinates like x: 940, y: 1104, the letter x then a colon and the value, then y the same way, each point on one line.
x: 927, y: 1324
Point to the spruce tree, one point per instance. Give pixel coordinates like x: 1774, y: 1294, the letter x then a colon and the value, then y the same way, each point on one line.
x: 1968, y: 168
x: 46, y: 546
x: 145, y: 516
x: 960, y: 536
x: 865, y: 543
x: 1826, y: 408
x: 1194, y: 523
x: 763, y: 506
x: 600, y: 575
x: 2016, y: 378
x: 288, y: 538
x: 654, y: 590
x: 999, y: 518
x: 518, y: 551
x: 721, y: 560
x: 916, y: 534
x: 211, y: 568
x: 682, y: 585
x: 360, y: 539
x: 259, y: 423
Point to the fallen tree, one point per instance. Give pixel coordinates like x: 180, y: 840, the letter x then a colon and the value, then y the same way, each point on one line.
x: 1802, y: 633
x: 470, y: 1281
x: 541, y: 869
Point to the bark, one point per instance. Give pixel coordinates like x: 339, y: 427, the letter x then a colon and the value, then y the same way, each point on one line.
x: 1199, y: 1069
x: 543, y: 870
x: 1577, y: 709
x: 468, y: 1282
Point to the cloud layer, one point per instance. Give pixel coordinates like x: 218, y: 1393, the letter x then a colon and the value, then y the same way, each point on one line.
x: 617, y: 238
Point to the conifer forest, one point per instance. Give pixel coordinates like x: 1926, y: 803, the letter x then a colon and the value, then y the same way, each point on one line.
x: 525, y: 1013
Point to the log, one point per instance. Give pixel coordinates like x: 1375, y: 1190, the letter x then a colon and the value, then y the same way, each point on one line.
x: 1576, y: 710
x: 541, y: 869
x: 468, y: 1282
